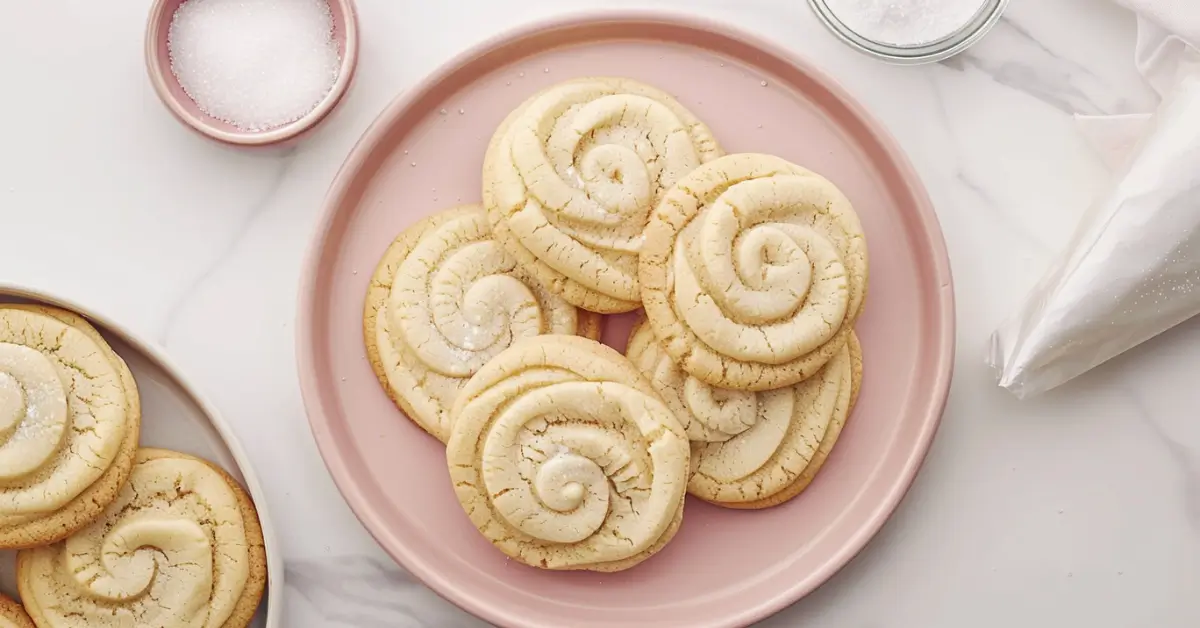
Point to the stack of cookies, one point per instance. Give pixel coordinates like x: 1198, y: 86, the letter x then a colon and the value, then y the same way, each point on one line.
x: 109, y: 534
x: 604, y: 196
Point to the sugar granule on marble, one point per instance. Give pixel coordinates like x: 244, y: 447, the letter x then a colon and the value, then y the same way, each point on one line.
x: 905, y: 22
x: 256, y: 64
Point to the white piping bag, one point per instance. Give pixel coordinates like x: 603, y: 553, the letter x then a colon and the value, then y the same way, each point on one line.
x: 1132, y: 269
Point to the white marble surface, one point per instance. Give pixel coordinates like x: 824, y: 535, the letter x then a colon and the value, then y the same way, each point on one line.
x: 1081, y: 508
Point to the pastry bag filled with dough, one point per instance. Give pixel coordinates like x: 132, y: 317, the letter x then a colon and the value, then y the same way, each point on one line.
x: 1132, y: 269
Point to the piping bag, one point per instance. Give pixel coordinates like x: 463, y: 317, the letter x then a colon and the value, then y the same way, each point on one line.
x: 1132, y: 268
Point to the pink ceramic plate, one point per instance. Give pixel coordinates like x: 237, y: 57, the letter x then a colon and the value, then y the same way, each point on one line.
x: 725, y: 568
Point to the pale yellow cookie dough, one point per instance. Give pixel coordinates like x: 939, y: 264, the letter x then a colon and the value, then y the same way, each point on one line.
x: 571, y: 176
x: 564, y: 457
x: 70, y: 418
x: 181, y: 547
x: 709, y: 414
x: 856, y: 365
x: 13, y: 615
x: 827, y: 443
x: 444, y: 300
x: 746, y: 446
x: 753, y: 272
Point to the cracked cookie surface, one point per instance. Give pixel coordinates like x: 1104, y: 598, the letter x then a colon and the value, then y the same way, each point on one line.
x: 70, y: 418
x: 13, y: 615
x: 571, y: 176
x: 748, y: 447
x: 180, y: 547
x: 564, y: 457
x: 836, y: 425
x: 444, y: 300
x: 753, y: 272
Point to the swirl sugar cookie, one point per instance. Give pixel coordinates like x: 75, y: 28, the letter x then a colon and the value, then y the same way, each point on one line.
x: 571, y: 176
x: 13, y: 615
x: 564, y: 457
x: 831, y: 437
x: 444, y: 300
x: 751, y: 449
x: 69, y: 424
x: 181, y: 547
x: 753, y: 272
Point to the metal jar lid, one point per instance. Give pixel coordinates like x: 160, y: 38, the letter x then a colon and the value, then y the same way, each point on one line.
x: 946, y: 47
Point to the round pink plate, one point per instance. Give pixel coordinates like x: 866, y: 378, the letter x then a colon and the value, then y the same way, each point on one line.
x: 725, y: 567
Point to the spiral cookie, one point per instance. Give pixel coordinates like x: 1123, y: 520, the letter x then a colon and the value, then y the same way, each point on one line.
x: 831, y: 437
x: 180, y: 547
x: 69, y: 424
x: 753, y: 272
x: 13, y: 615
x: 445, y: 299
x: 571, y: 176
x: 565, y: 458
x: 752, y: 449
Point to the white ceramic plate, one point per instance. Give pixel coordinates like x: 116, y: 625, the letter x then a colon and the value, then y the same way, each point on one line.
x: 174, y: 416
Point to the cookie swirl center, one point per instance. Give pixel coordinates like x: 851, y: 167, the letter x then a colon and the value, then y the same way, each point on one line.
x: 708, y: 414
x: 127, y: 566
x: 171, y: 550
x: 563, y: 481
x: 723, y: 411
x: 767, y: 283
x: 579, y: 169
x: 12, y: 402
x: 460, y: 303
x: 739, y: 457
x: 613, y: 156
x: 566, y: 463
x: 33, y: 410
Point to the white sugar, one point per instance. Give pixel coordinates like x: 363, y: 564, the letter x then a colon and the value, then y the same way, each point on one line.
x: 256, y: 64
x: 905, y: 22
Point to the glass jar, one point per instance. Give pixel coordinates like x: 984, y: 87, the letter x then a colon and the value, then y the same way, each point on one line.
x: 946, y: 47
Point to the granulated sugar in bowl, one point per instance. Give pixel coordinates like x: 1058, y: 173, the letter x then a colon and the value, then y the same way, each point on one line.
x: 909, y: 31
x: 255, y: 64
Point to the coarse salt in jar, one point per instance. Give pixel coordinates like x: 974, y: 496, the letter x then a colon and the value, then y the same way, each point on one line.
x: 909, y: 31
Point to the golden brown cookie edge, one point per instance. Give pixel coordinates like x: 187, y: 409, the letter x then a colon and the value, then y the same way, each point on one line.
x: 380, y: 288
x: 12, y: 610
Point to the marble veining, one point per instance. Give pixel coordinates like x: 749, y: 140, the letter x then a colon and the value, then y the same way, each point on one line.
x: 1015, y: 59
x: 281, y: 165
x: 366, y: 592
x: 1079, y: 508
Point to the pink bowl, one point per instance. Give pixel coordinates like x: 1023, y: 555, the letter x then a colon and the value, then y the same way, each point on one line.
x: 158, y: 65
x: 725, y: 568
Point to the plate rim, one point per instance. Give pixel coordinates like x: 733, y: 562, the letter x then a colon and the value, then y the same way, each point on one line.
x: 942, y: 349
x: 157, y: 354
